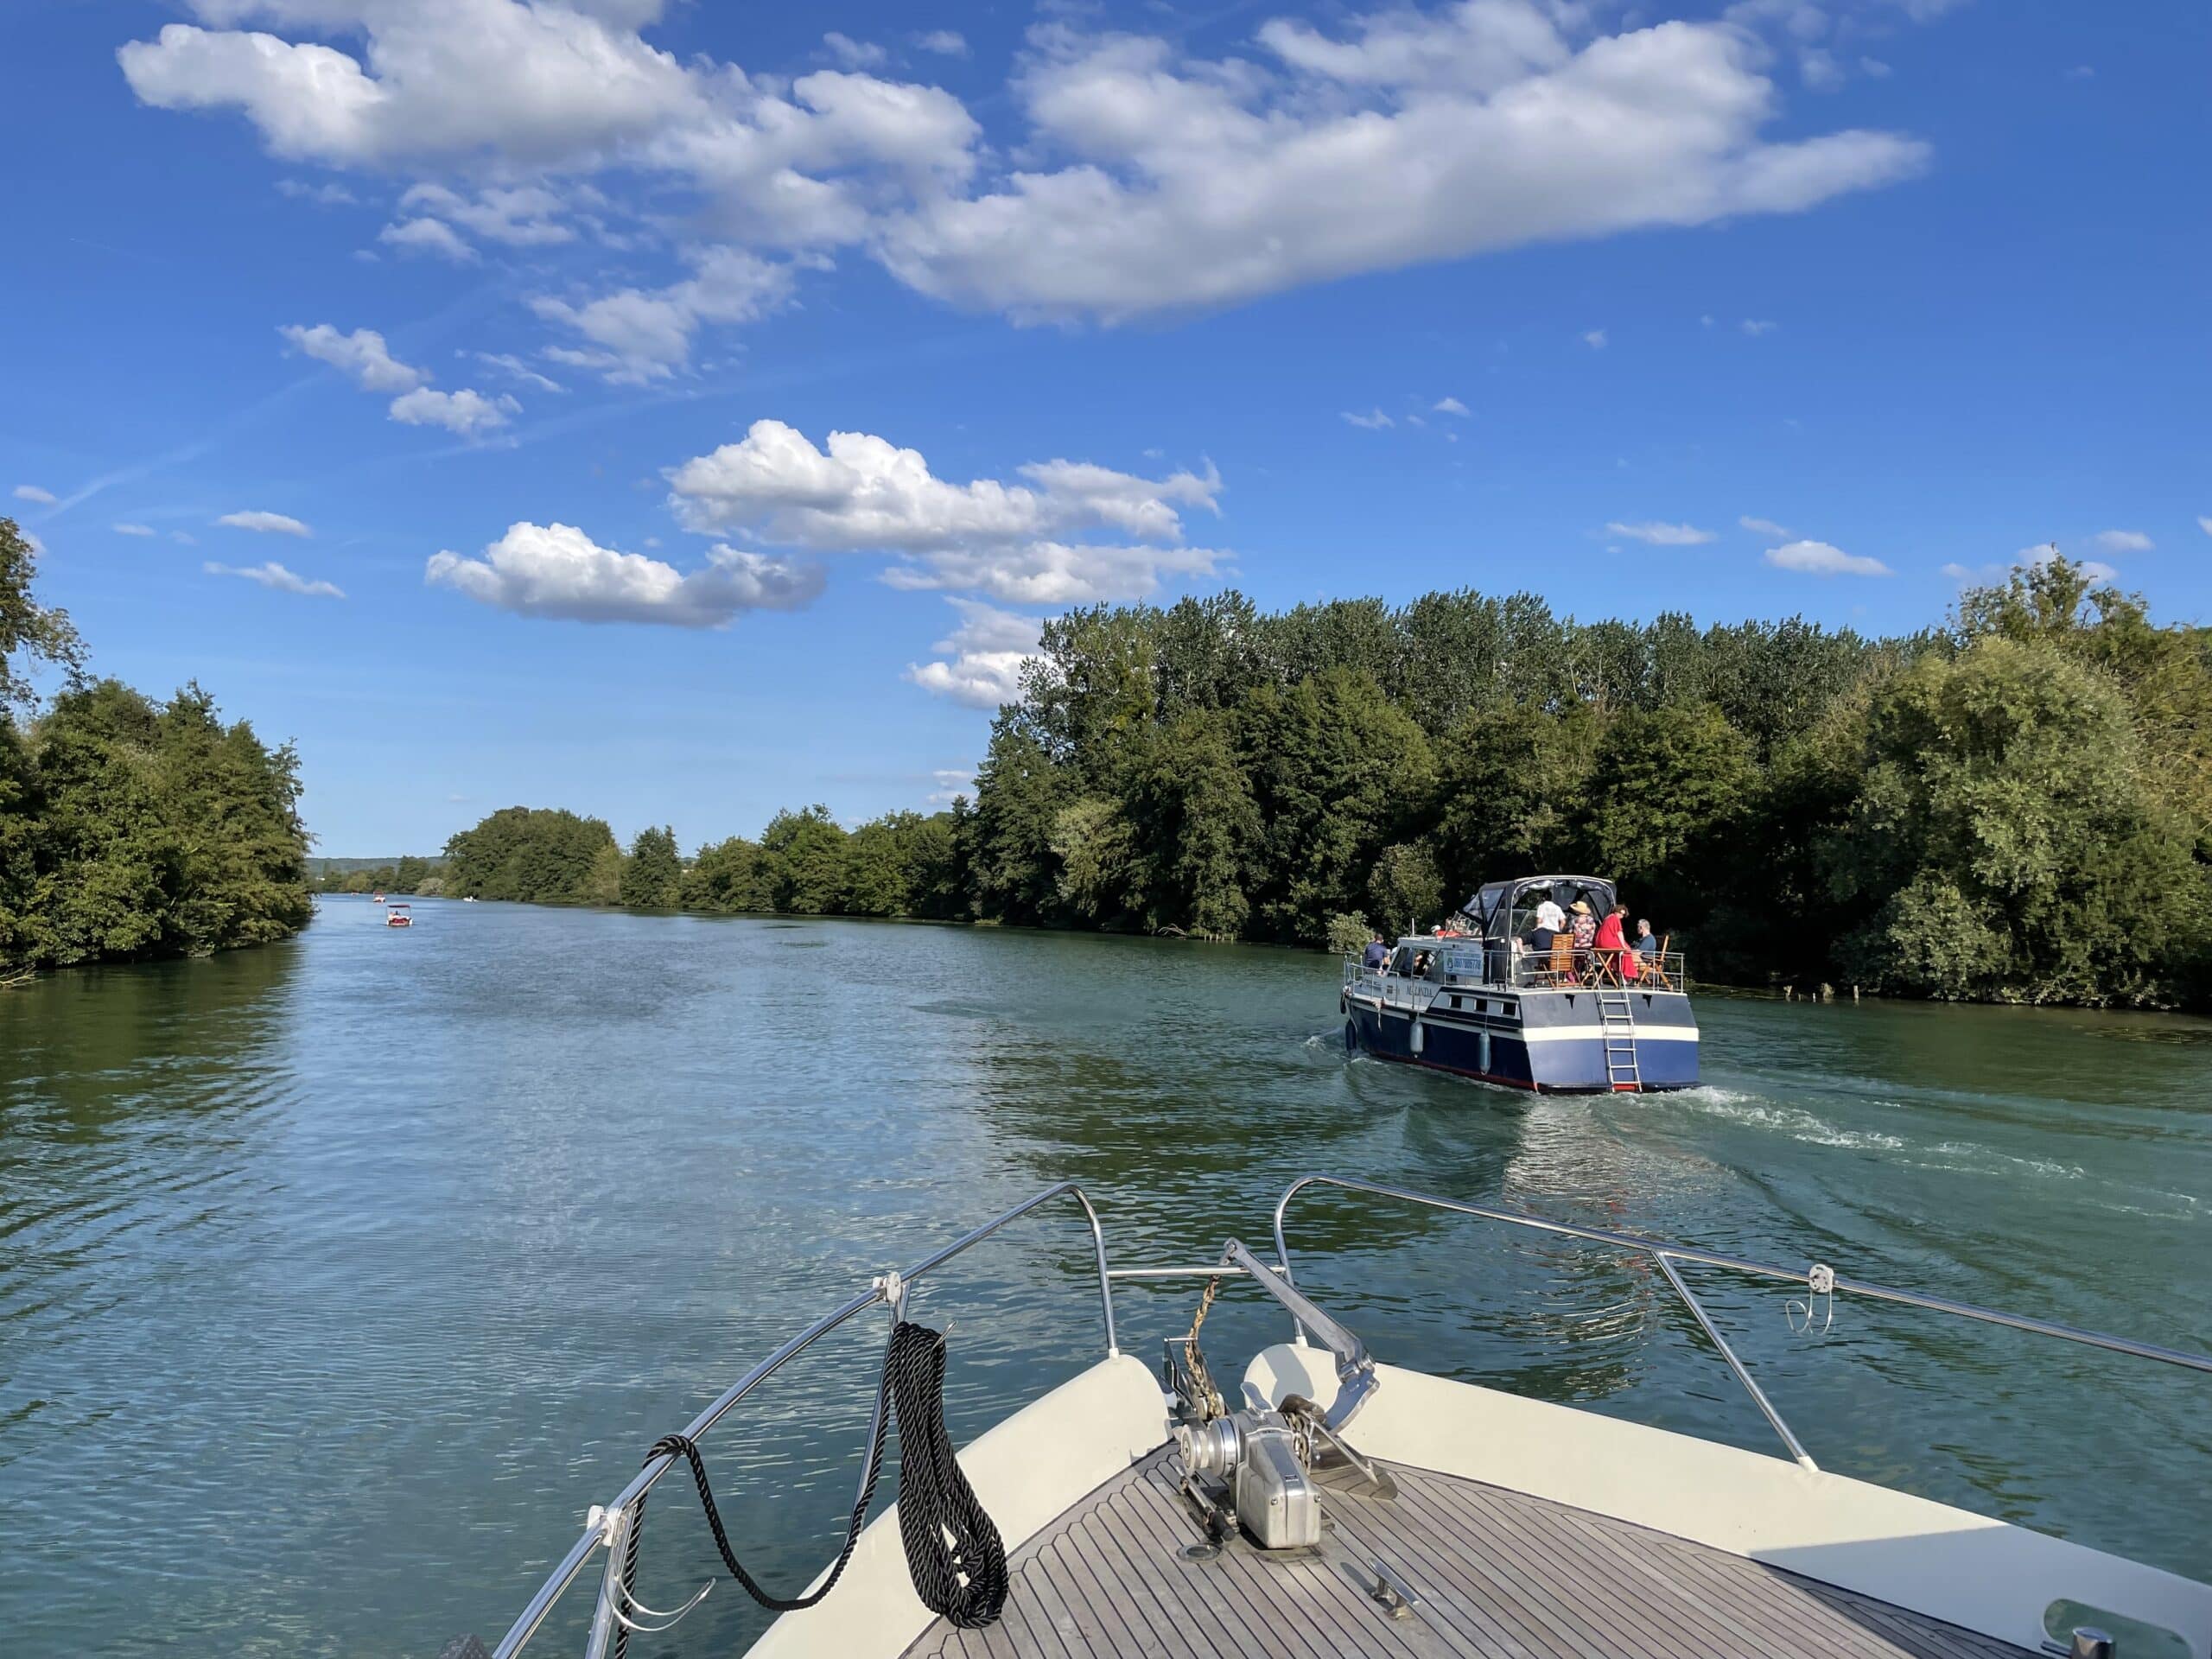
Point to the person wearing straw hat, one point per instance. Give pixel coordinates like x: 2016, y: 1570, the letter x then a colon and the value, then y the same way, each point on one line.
x: 1584, y: 928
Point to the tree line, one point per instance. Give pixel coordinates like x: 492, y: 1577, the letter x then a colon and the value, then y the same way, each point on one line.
x: 131, y: 828
x: 2016, y: 805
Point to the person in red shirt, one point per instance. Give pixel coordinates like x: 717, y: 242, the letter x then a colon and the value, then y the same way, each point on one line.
x: 1616, y: 959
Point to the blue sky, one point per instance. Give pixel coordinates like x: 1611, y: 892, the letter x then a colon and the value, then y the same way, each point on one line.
x: 512, y: 339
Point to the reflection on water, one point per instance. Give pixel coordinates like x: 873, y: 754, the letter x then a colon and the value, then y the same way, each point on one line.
x: 336, y: 1278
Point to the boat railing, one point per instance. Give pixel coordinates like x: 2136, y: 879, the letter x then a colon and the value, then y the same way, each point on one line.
x: 1817, y: 1281
x: 1471, y: 963
x: 607, y: 1524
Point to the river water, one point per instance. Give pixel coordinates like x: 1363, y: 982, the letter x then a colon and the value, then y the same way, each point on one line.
x: 337, y: 1277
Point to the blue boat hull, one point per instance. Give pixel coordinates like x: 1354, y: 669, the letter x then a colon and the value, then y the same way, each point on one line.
x: 1549, y: 1041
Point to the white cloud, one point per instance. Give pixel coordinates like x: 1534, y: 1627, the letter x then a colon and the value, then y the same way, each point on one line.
x: 2124, y: 541
x: 1449, y: 406
x: 1595, y: 340
x: 1754, y: 327
x: 362, y: 354
x: 447, y: 79
x: 518, y: 217
x: 986, y: 655
x: 2204, y: 521
x: 1764, y: 527
x: 469, y: 413
x: 1874, y: 68
x: 1413, y: 137
x: 32, y: 493
x: 1374, y: 419
x: 555, y: 570
x: 510, y: 364
x: 275, y: 575
x: 953, y: 782
x: 639, y: 335
x: 184, y: 538
x: 132, y: 530
x: 32, y: 542
x: 266, y: 523
x: 1660, y: 534
x: 853, y: 54
x: 322, y: 195
x: 1012, y: 541
x: 428, y: 236
x: 1820, y: 559
x: 1138, y: 180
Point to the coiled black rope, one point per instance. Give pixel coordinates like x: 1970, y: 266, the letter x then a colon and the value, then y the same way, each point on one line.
x: 953, y: 1551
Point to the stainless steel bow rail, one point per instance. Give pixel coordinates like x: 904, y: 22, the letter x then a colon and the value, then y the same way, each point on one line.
x: 1818, y: 1280
x: 608, y: 1525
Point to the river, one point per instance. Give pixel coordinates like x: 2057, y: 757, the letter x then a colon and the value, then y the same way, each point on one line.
x: 336, y: 1277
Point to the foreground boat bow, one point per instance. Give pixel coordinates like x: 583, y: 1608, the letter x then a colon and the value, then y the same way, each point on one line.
x: 1332, y: 1505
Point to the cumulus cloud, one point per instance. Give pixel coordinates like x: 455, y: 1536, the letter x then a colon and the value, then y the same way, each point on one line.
x: 1014, y: 542
x: 1820, y: 559
x: 853, y: 54
x: 1138, y: 180
x: 362, y: 354
x: 322, y: 195
x: 953, y: 782
x: 636, y: 335
x: 365, y: 357
x: 2124, y: 541
x: 1374, y: 420
x: 266, y: 523
x: 1409, y: 137
x: 2203, y: 520
x: 1754, y: 327
x: 32, y: 493
x: 555, y: 570
x: 1764, y: 527
x: 1660, y: 534
x: 1449, y: 406
x: 276, y: 576
x: 1595, y: 340
x: 428, y: 236
x: 469, y: 413
x: 525, y: 216
x: 985, y: 656
x: 132, y: 530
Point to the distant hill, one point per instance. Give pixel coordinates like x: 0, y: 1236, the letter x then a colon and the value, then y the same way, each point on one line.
x: 321, y: 866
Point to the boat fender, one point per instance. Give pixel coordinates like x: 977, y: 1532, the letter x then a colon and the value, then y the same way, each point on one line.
x: 1414, y: 1034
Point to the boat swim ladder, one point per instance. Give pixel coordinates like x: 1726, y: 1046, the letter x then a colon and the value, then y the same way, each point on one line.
x: 1616, y: 1015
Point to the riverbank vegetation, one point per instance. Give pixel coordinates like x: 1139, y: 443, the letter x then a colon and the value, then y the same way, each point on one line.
x: 2014, y: 806
x: 131, y: 828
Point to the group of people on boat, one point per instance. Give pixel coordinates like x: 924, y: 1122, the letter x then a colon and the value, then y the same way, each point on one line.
x: 1598, y: 949
x: 1575, y: 942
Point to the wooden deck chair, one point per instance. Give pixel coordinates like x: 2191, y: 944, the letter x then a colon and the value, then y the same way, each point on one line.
x: 1562, y: 971
x: 1654, y: 972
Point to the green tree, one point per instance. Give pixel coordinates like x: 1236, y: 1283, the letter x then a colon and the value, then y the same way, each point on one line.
x: 1193, y: 827
x: 30, y: 632
x: 1406, y: 889
x: 1666, y: 790
x: 729, y: 875
x: 536, y: 855
x: 1019, y: 794
x: 879, y: 873
x: 652, y: 876
x: 805, y: 854
x: 1090, y: 844
x: 1338, y: 771
x: 2009, y: 844
x: 409, y: 874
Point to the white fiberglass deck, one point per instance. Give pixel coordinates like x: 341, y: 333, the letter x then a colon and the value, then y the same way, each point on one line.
x: 1496, y: 1573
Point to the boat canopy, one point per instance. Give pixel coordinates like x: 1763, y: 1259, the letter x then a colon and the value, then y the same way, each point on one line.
x: 1493, y: 906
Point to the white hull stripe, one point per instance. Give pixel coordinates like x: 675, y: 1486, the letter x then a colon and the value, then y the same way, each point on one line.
x: 1589, y: 1034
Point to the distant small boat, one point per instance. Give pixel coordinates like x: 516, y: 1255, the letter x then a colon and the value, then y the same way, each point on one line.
x: 395, y: 916
x: 376, y: 898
